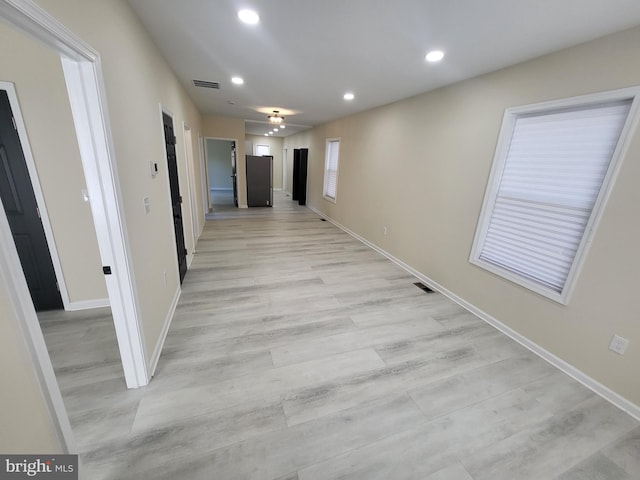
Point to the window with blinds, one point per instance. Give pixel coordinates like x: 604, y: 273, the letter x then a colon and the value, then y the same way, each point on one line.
x: 262, y: 150
x: 552, y: 169
x: 331, y: 169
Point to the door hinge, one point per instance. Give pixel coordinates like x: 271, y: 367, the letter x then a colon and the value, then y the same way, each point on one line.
x: 180, y: 199
x: 15, y: 127
x: 185, y: 252
x: 175, y: 140
x: 106, y: 270
x: 57, y: 286
x: 38, y: 212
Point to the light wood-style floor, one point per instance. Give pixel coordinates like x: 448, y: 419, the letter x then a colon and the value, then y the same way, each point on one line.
x: 296, y: 352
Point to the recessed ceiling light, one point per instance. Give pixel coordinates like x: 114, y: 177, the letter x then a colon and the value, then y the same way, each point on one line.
x: 434, y: 56
x: 237, y: 80
x: 349, y: 96
x: 248, y: 16
x: 266, y: 134
x: 275, y: 129
x: 281, y: 126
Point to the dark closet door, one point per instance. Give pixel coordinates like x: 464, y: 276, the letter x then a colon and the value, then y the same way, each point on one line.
x: 176, y: 199
x: 302, y: 176
x: 296, y: 174
x: 22, y: 212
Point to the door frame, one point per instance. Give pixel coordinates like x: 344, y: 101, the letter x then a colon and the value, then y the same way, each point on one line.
x: 187, y: 133
x: 204, y: 167
x: 83, y: 75
x: 206, y: 162
x: 285, y: 152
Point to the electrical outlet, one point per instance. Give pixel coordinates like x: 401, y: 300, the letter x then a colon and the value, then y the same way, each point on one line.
x: 618, y: 344
x: 384, y: 230
x: 165, y: 277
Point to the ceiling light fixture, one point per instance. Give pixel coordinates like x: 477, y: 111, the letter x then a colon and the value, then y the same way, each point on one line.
x: 434, y: 56
x: 349, y: 96
x: 237, y: 80
x: 276, y: 118
x: 248, y: 16
x: 281, y: 126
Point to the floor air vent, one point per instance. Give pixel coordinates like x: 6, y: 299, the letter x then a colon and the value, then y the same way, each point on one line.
x: 206, y: 84
x: 323, y: 219
x: 423, y: 287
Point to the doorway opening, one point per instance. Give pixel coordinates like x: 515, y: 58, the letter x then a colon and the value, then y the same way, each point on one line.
x: 23, y: 212
x: 222, y: 174
x: 83, y: 78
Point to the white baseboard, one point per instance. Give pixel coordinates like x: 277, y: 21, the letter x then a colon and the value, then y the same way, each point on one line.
x: 595, y: 386
x: 221, y: 189
x: 163, y: 335
x: 87, y: 304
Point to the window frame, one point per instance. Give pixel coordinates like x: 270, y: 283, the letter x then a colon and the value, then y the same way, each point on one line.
x: 498, y: 166
x: 325, y: 195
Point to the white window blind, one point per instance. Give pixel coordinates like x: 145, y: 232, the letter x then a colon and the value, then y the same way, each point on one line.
x: 545, y: 189
x: 331, y: 169
x: 263, y: 150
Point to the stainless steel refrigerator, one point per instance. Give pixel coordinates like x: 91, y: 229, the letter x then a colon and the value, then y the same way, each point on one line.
x: 259, y: 181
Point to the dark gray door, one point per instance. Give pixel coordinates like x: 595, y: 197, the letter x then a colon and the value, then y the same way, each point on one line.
x: 259, y: 181
x: 176, y: 199
x: 22, y: 212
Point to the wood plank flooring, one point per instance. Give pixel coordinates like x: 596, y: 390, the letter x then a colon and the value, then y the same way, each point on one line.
x: 298, y: 353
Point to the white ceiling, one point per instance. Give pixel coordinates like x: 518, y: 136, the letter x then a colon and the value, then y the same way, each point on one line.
x: 305, y: 54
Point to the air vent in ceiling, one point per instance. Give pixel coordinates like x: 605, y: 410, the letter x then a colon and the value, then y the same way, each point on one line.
x: 206, y: 84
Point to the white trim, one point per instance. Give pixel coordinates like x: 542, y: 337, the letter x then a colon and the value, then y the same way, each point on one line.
x: 578, y: 375
x: 90, y: 115
x: 83, y: 76
x: 189, y: 160
x: 498, y: 164
x: 14, y: 103
x: 212, y: 189
x: 163, y: 334
x: 205, y: 178
x: 12, y: 281
x: 88, y: 304
x: 284, y: 169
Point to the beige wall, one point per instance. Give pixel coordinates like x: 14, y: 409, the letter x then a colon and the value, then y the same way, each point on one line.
x: 229, y: 128
x: 275, y: 144
x: 420, y: 168
x: 36, y: 72
x: 26, y: 422
x: 138, y: 83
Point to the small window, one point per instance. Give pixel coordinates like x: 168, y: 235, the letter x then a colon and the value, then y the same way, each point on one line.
x: 331, y: 169
x: 551, y: 173
x: 263, y: 150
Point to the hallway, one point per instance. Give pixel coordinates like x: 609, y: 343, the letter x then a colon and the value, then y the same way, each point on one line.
x: 297, y: 352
